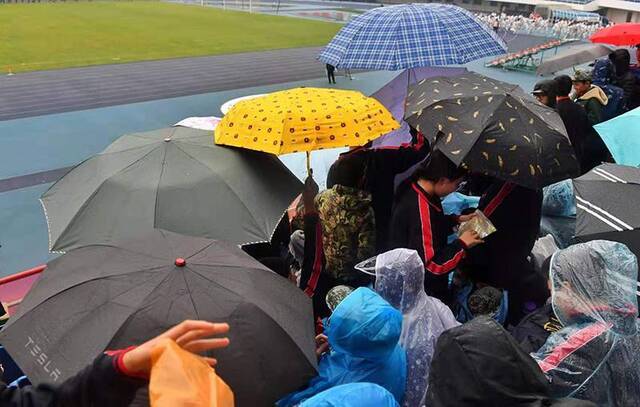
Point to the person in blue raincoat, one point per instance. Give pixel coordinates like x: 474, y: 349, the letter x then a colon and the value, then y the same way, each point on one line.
x: 594, y: 356
x: 353, y: 395
x: 363, y: 334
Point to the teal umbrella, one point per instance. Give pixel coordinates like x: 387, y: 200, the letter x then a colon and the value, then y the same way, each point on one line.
x: 620, y: 134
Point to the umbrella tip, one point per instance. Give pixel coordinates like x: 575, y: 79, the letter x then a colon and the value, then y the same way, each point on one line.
x: 167, y: 139
x: 180, y: 262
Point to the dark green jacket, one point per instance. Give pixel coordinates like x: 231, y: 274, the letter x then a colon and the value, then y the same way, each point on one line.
x: 592, y: 101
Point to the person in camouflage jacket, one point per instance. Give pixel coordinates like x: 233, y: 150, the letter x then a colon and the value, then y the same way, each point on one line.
x: 348, y: 232
x: 348, y: 222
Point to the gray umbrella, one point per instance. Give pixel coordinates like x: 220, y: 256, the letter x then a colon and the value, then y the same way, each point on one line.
x: 571, y: 56
x: 100, y: 297
x: 175, y: 179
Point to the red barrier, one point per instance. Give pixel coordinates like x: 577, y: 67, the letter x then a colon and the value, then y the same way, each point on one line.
x: 22, y: 274
x: 13, y: 288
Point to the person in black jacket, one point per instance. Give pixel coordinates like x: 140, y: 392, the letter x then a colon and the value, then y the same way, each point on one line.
x: 624, y: 78
x: 114, y: 377
x: 382, y: 165
x: 479, y: 364
x: 534, y: 329
x: 331, y: 73
x: 575, y: 120
x: 419, y: 223
x: 502, y: 262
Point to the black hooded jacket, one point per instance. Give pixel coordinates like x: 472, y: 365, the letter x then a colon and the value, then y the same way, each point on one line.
x: 624, y: 78
x: 515, y: 211
x: 479, y: 364
x: 577, y: 124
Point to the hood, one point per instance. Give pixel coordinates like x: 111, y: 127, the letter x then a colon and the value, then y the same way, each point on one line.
x: 400, y: 278
x: 595, y: 92
x: 595, y: 281
x: 365, y: 326
x: 348, y: 198
x: 620, y: 59
x: 480, y: 364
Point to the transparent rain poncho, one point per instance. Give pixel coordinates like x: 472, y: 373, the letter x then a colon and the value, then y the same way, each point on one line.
x: 595, y: 355
x: 559, y: 199
x: 400, y: 281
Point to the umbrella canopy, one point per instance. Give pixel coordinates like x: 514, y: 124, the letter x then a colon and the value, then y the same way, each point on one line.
x: 409, y: 36
x: 304, y: 119
x: 571, y: 56
x: 175, y: 179
x: 494, y: 128
x: 604, y: 212
x: 620, y: 134
x: 393, y: 95
x: 619, y: 34
x: 111, y: 296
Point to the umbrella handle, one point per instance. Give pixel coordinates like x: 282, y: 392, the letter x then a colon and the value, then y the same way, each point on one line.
x: 309, y: 169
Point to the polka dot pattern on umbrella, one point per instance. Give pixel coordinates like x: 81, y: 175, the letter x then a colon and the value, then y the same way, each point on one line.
x: 304, y: 119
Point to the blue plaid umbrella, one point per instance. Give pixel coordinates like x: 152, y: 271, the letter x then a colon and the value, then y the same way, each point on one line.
x: 409, y: 36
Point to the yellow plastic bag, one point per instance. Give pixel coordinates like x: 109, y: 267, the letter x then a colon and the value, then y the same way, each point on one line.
x: 179, y: 378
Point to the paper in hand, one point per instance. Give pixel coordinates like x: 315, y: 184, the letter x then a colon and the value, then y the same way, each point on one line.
x: 480, y: 223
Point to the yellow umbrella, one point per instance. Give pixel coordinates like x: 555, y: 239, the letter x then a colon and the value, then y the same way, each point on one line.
x: 304, y: 119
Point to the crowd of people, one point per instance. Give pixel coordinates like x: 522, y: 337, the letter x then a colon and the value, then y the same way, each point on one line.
x: 409, y: 312
x: 589, y: 98
x: 536, y: 25
x: 444, y: 319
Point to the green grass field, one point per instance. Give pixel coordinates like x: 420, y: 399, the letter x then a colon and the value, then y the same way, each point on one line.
x: 61, y: 35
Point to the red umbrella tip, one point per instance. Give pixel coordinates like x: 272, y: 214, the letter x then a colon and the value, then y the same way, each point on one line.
x: 180, y: 262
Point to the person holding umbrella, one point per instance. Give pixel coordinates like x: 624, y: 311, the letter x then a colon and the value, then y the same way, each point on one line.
x: 494, y: 128
x: 114, y: 377
x: 418, y: 222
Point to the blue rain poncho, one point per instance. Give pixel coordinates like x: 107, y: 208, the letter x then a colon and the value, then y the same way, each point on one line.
x: 363, y: 334
x: 400, y: 280
x: 352, y: 395
x: 595, y: 356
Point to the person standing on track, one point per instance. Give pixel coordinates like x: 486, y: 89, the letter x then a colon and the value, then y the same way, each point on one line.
x: 331, y: 73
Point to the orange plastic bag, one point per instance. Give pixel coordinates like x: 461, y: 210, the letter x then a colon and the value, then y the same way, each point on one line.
x: 179, y: 378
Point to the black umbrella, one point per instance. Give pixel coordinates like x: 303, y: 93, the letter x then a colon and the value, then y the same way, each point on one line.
x: 102, y: 297
x: 605, y: 209
x: 492, y: 127
x: 175, y: 179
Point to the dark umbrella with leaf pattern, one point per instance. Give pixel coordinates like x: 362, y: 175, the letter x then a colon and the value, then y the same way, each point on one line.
x: 492, y: 127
